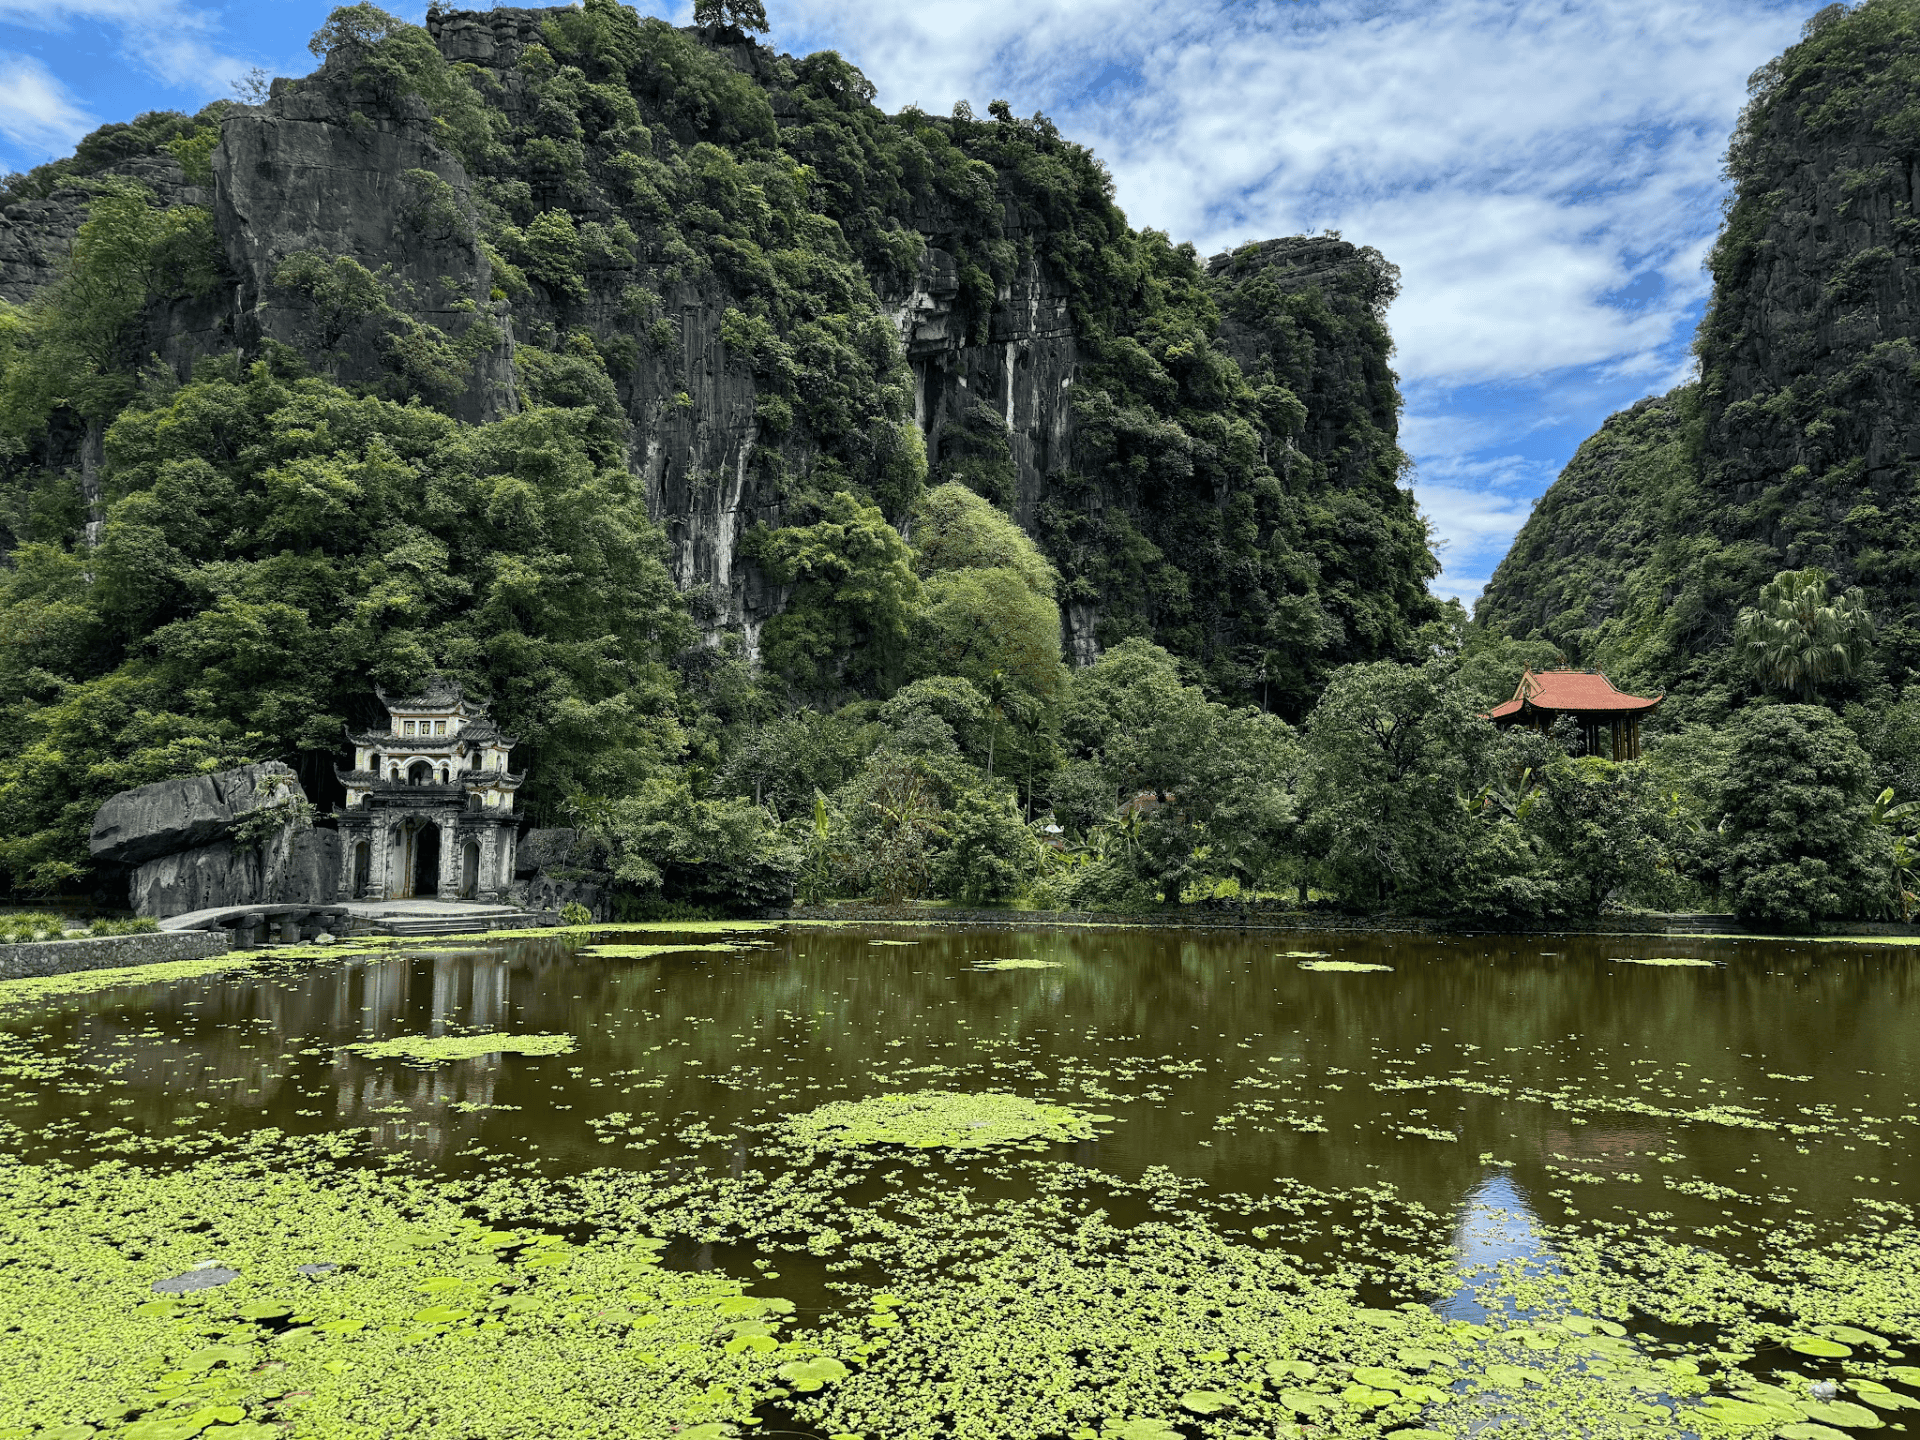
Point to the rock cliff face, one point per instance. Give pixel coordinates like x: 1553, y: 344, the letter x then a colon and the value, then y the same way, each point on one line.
x: 169, y: 816
x: 310, y: 174
x: 778, y: 292
x: 1801, y: 444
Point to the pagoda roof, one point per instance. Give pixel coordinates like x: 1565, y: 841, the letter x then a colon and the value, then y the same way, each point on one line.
x: 439, y: 693
x: 472, y: 733
x: 1579, y: 691
x: 460, y: 780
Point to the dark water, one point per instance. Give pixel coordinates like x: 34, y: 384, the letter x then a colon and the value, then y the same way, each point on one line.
x: 1525, y: 1077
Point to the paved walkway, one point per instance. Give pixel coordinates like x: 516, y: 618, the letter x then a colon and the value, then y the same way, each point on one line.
x: 424, y: 909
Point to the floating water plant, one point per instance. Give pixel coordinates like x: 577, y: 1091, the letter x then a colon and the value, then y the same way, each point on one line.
x: 1674, y: 960
x: 1346, y: 967
x: 642, y: 952
x: 944, y: 1120
x: 1017, y: 965
x: 1304, y: 954
x: 439, y: 1049
x: 433, y: 1324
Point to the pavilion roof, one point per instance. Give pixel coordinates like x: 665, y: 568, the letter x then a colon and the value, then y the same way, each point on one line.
x: 439, y: 693
x: 1579, y: 691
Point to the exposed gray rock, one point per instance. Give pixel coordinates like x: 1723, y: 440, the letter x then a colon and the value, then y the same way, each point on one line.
x: 303, y: 867
x: 174, y: 815
x: 333, y: 170
x: 556, y: 850
x: 544, y: 892
x: 200, y: 879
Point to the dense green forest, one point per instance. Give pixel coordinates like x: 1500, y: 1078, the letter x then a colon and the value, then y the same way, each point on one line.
x: 691, y: 420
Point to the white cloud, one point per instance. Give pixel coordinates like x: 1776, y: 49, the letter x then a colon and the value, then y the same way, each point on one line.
x: 36, y: 112
x: 173, y: 40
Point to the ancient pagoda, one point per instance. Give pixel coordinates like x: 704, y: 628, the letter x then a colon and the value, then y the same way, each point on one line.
x: 1609, y: 719
x: 429, y: 812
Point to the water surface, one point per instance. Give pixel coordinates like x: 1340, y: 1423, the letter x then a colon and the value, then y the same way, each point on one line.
x: 1486, y: 1093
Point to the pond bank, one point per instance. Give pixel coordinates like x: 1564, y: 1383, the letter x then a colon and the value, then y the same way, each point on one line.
x: 108, y: 952
x: 1225, y: 917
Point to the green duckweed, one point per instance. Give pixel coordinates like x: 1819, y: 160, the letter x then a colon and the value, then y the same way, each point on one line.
x: 943, y: 1119
x: 439, y: 1049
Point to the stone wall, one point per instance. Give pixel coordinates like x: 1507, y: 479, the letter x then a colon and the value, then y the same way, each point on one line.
x: 1262, y: 917
x: 109, y: 952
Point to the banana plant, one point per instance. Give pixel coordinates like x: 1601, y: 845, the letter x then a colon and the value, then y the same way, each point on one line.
x: 1906, y: 846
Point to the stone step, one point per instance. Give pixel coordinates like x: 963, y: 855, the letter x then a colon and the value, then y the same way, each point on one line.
x: 454, y: 924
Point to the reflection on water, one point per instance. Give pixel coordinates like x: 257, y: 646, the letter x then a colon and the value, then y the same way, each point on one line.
x: 1495, y: 1227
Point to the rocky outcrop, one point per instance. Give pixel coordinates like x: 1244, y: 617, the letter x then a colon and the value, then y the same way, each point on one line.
x: 170, y: 816
x: 198, y: 879
x: 180, y: 836
x: 557, y: 867
x: 323, y: 171
x: 546, y: 892
x: 36, y: 233
x: 301, y: 867
x: 556, y: 850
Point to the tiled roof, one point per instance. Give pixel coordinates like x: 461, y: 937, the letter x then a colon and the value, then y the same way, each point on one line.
x: 440, y: 693
x: 1579, y: 690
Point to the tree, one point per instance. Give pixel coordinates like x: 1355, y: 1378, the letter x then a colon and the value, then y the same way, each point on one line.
x: 1246, y: 795
x: 1799, y: 841
x: 749, y: 16
x: 991, y: 851
x: 854, y: 599
x: 1151, y: 739
x: 725, y: 853
x: 1606, y: 828
x: 1796, y: 638
x: 1399, y: 756
x: 990, y: 613
x: 891, y: 823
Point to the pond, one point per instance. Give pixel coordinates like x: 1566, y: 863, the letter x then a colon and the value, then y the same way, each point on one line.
x: 1097, y: 1184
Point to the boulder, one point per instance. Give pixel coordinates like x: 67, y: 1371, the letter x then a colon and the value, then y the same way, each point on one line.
x: 544, y: 892
x: 199, y: 879
x: 545, y: 852
x: 302, y: 868
x: 171, y: 816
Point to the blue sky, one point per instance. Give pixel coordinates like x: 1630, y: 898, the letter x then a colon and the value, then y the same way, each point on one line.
x: 1546, y: 175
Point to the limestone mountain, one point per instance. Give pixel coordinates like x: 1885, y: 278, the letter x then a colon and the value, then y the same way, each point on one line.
x: 773, y: 291
x: 1799, y: 444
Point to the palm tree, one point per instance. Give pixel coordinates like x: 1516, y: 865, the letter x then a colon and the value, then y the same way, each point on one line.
x: 1796, y: 638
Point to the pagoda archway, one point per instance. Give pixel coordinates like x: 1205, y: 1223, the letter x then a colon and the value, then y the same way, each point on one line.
x: 426, y: 861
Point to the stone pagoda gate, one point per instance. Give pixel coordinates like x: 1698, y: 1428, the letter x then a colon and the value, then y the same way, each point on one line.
x: 429, y: 812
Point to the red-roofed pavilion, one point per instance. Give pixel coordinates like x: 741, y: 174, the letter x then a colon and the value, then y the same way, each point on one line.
x: 1609, y: 719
